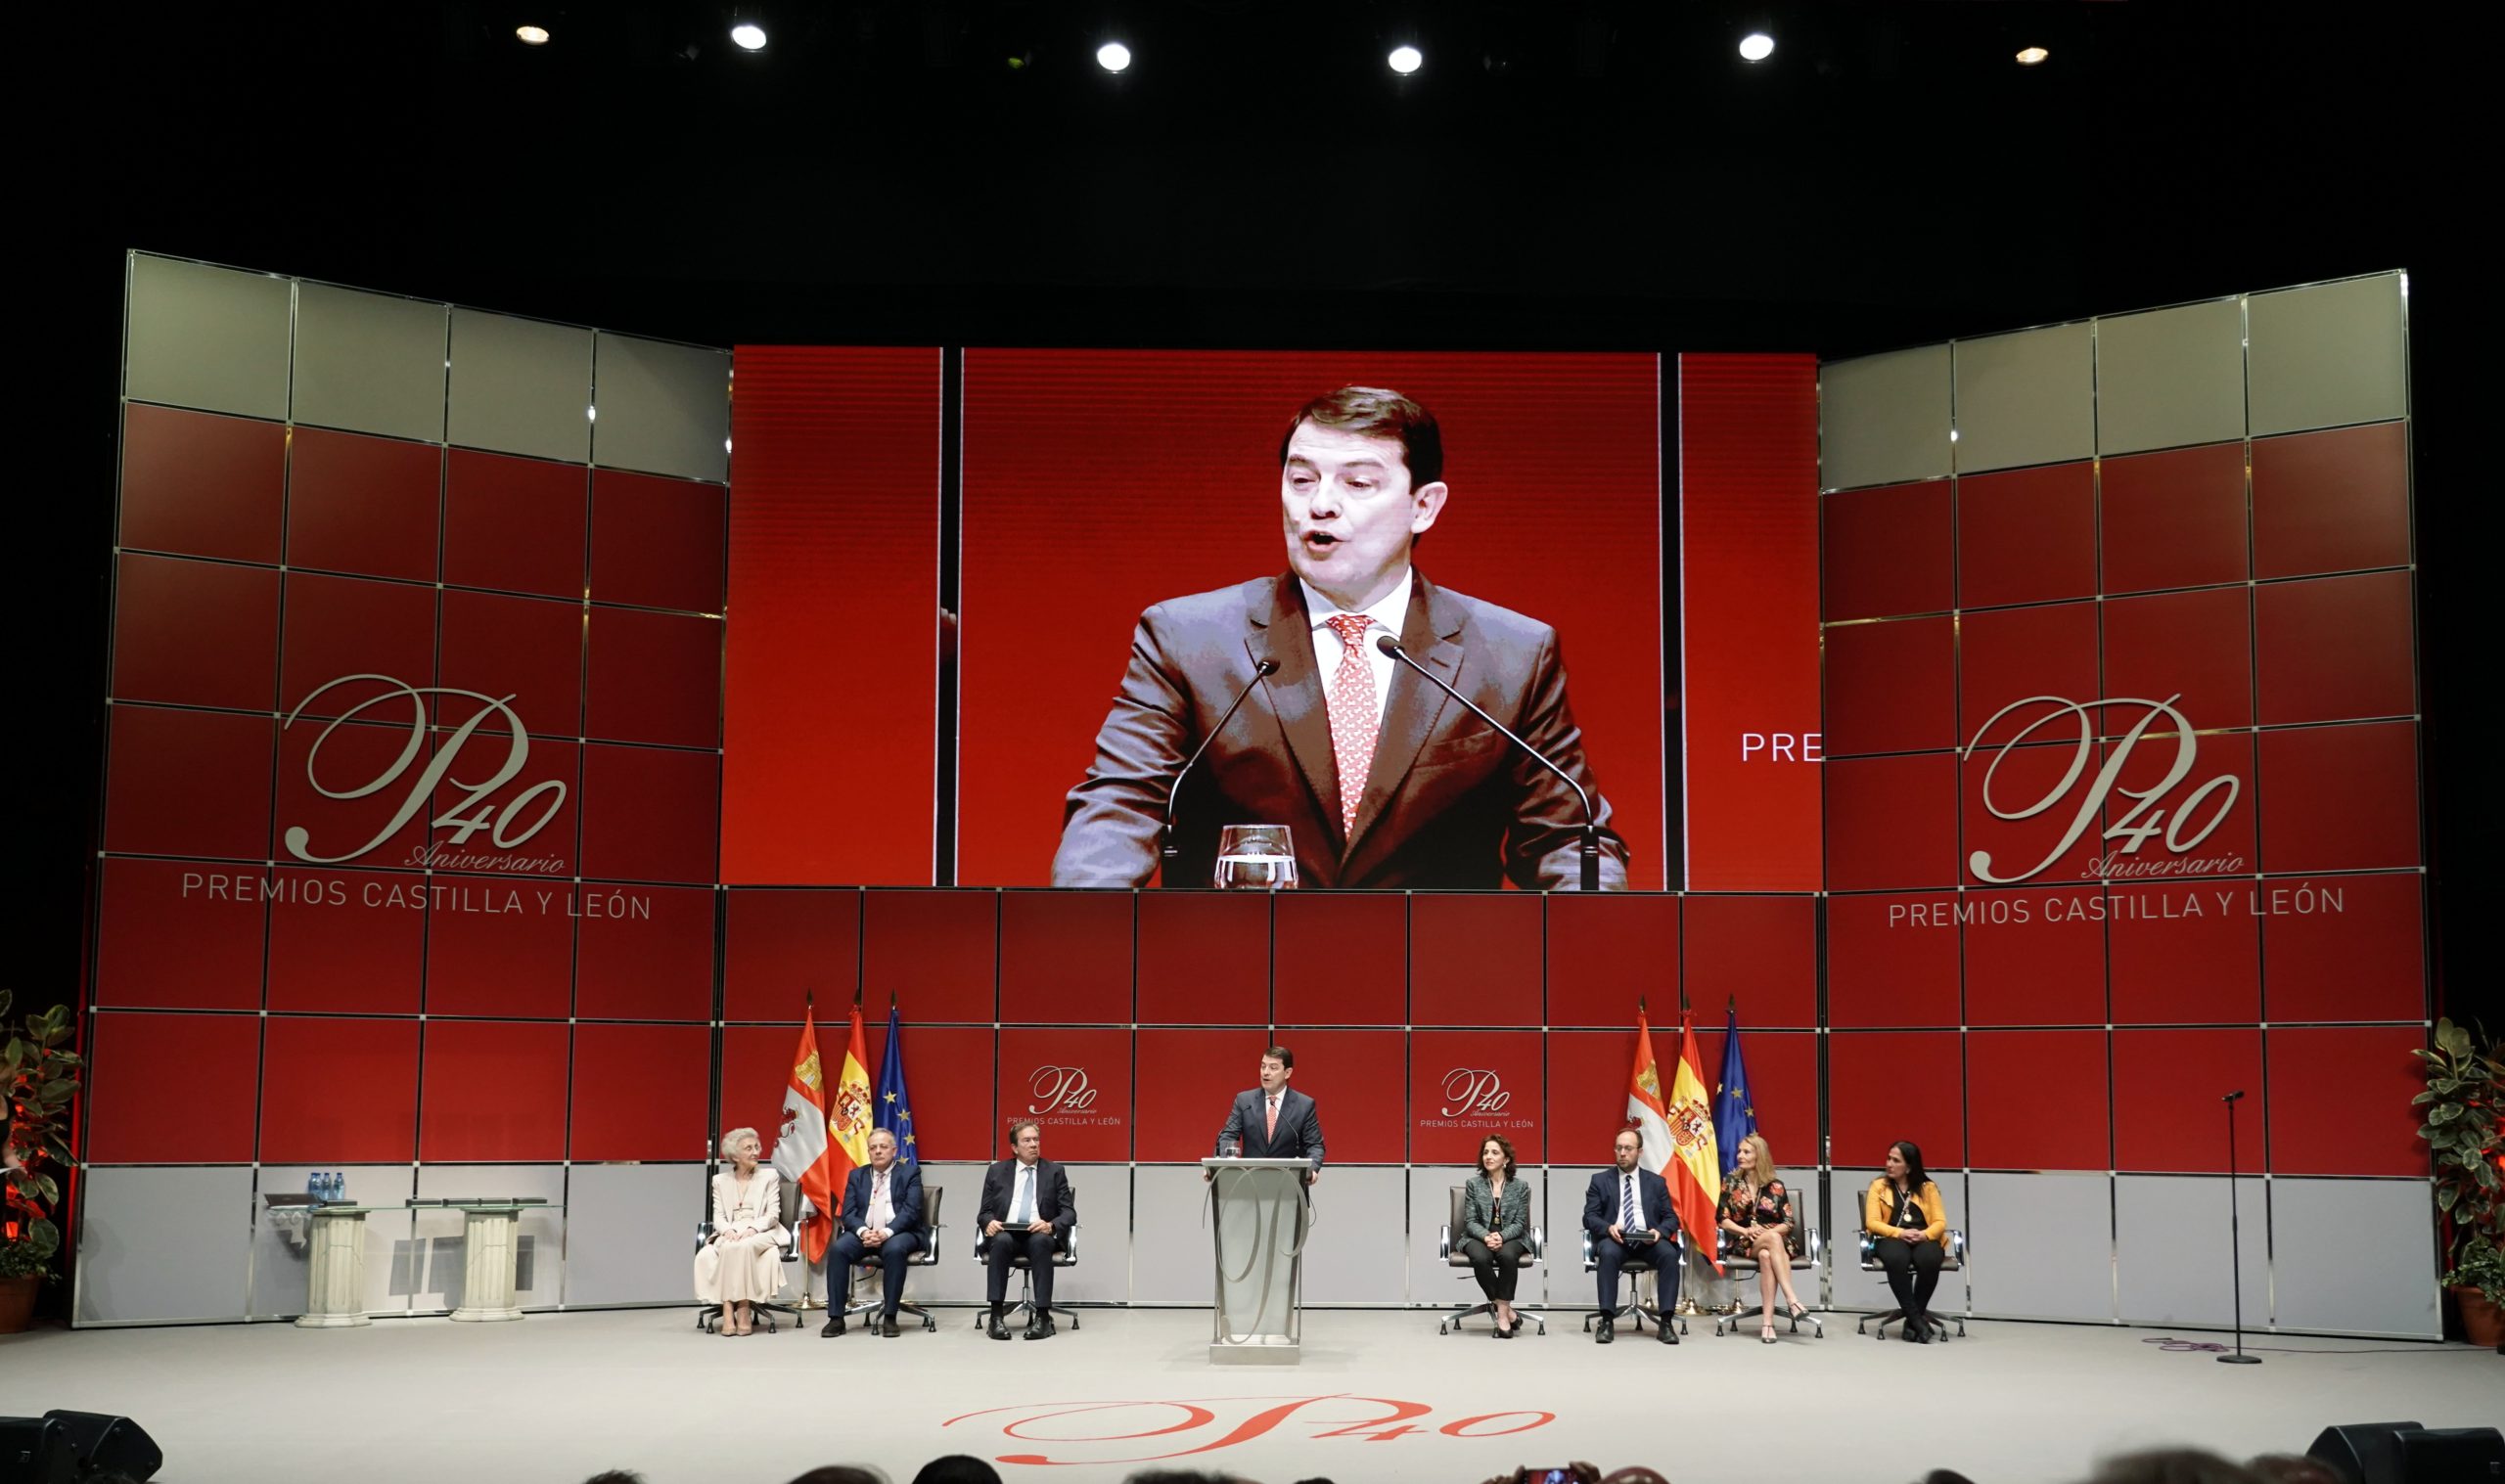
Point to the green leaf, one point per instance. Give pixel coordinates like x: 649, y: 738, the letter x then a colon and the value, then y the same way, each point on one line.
x: 2446, y: 1113
x: 2452, y: 1038
x: 2445, y: 1195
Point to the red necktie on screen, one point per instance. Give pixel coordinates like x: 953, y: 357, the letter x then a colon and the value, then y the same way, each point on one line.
x: 1352, y: 716
x: 1274, y: 1118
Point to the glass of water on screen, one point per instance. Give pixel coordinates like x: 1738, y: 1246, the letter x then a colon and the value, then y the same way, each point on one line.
x: 1255, y: 858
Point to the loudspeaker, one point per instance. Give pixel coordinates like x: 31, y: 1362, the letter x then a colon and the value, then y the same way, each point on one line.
x: 35, y: 1450
x: 2453, y: 1454
x: 2404, y: 1453
x: 108, y: 1444
x: 2364, y: 1453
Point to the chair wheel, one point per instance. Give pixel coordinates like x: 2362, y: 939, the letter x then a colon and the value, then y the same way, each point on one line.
x: 1444, y: 1326
x: 1073, y: 1322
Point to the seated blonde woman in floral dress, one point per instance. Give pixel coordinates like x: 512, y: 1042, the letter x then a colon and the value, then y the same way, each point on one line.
x: 742, y: 1263
x: 1756, y: 1210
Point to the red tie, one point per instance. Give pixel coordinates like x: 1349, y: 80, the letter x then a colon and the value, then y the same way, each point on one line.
x: 1274, y: 1118
x: 1354, y: 722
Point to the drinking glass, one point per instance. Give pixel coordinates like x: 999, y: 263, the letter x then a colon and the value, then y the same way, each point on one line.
x: 1255, y: 858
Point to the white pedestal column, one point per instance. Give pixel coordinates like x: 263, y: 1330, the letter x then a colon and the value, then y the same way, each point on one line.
x: 335, y: 1296
x: 491, y: 1246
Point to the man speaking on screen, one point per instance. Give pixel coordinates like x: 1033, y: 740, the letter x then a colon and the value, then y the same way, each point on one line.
x: 1384, y: 780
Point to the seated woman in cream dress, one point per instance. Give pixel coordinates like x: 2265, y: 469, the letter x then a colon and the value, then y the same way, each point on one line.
x: 744, y: 1262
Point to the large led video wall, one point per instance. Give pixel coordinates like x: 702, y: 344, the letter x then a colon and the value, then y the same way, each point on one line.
x: 1134, y: 537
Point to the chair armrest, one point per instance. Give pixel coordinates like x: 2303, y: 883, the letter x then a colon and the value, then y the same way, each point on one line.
x: 1444, y: 1242
x: 1070, y: 1242
x: 1590, y: 1261
x: 1956, y: 1245
x: 1538, y: 1244
x: 1869, y: 1246
x: 703, y: 1233
x: 1813, y: 1244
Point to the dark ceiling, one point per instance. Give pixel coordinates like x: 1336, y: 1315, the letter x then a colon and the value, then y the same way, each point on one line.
x: 1562, y: 174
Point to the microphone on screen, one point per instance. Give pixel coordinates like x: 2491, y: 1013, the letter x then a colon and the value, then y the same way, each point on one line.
x: 2232, y: 1096
x: 1262, y: 670
x: 1591, y: 848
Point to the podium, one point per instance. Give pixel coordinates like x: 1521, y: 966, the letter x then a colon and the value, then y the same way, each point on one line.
x: 1258, y: 1220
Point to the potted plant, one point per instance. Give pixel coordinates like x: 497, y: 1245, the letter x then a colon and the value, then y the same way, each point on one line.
x: 38, y: 1075
x: 2464, y: 1093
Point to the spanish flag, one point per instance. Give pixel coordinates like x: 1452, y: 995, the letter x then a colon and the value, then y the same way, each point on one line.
x: 1695, y: 1171
x: 850, y: 1115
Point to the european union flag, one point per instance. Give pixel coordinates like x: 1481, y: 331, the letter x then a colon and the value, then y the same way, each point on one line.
x: 895, y: 1105
x: 1735, y: 1112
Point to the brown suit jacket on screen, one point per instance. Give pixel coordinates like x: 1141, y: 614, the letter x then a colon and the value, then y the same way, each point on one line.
x: 1450, y: 804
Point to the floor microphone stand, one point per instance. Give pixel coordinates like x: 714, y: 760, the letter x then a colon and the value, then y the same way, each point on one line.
x: 2234, y: 1243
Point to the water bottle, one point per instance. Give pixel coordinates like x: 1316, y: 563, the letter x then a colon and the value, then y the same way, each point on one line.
x: 340, y: 1186
x: 313, y: 1188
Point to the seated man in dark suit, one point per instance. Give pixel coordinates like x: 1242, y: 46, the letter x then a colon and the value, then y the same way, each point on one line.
x: 882, y: 1215
x: 1026, y: 1207
x: 1621, y: 1205
x: 1275, y: 1122
x: 1382, y: 779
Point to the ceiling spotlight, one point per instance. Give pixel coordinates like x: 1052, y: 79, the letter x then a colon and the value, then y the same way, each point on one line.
x: 2031, y: 55
x: 1406, y: 59
x: 1113, y: 57
x: 749, y: 36
x: 531, y: 35
x: 1756, y: 46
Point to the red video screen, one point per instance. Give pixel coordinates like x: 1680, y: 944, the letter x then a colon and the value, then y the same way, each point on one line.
x: 1147, y: 536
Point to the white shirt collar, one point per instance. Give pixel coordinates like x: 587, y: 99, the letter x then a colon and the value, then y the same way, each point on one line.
x: 1390, y: 611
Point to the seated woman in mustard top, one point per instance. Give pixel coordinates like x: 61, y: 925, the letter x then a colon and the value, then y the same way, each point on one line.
x: 1906, y: 1212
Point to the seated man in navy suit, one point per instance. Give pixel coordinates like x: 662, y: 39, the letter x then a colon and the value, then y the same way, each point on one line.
x: 1621, y: 1205
x: 1027, y: 1209
x: 882, y: 1217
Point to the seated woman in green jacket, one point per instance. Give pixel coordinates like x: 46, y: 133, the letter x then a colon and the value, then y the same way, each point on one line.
x: 1495, y: 1227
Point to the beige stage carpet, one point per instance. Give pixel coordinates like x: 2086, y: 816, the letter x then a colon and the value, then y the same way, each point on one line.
x: 1380, y: 1396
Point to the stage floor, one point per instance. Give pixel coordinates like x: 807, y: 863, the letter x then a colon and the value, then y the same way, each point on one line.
x: 1380, y: 1396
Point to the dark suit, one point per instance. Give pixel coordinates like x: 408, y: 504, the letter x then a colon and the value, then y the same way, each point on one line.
x: 1447, y: 805
x: 1300, y: 1134
x: 907, y: 1234
x: 1653, y: 1200
x: 1052, y: 1203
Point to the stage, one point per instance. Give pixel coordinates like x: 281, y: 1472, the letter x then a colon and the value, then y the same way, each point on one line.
x: 1380, y: 1396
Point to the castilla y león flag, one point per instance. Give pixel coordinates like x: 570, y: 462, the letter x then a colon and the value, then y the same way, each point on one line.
x: 1678, y: 1132
x: 825, y: 1130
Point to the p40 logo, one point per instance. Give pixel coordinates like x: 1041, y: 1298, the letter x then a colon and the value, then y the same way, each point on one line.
x: 513, y: 824
x: 2195, y: 816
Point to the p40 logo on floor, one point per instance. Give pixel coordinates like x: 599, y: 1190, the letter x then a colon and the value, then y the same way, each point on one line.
x: 1111, y: 1432
x: 2196, y: 816
x: 507, y: 827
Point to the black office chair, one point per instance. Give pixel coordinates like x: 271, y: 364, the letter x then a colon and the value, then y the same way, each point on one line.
x: 1536, y: 1245
x: 1952, y: 1259
x: 1064, y: 1255
x: 786, y: 1211
x: 923, y: 1257
x: 1634, y: 1311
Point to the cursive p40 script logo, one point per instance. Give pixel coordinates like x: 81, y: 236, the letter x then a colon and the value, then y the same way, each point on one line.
x: 1060, y: 1089
x: 1472, y: 1090
x: 2145, y: 818
x: 523, y: 816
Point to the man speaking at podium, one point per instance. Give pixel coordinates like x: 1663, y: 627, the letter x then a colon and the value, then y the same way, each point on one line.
x: 1274, y: 1121
x: 1382, y: 778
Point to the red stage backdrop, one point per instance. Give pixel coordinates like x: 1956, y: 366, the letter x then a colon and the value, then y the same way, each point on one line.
x: 1097, y: 483
x: 1747, y: 640
x: 830, y: 750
